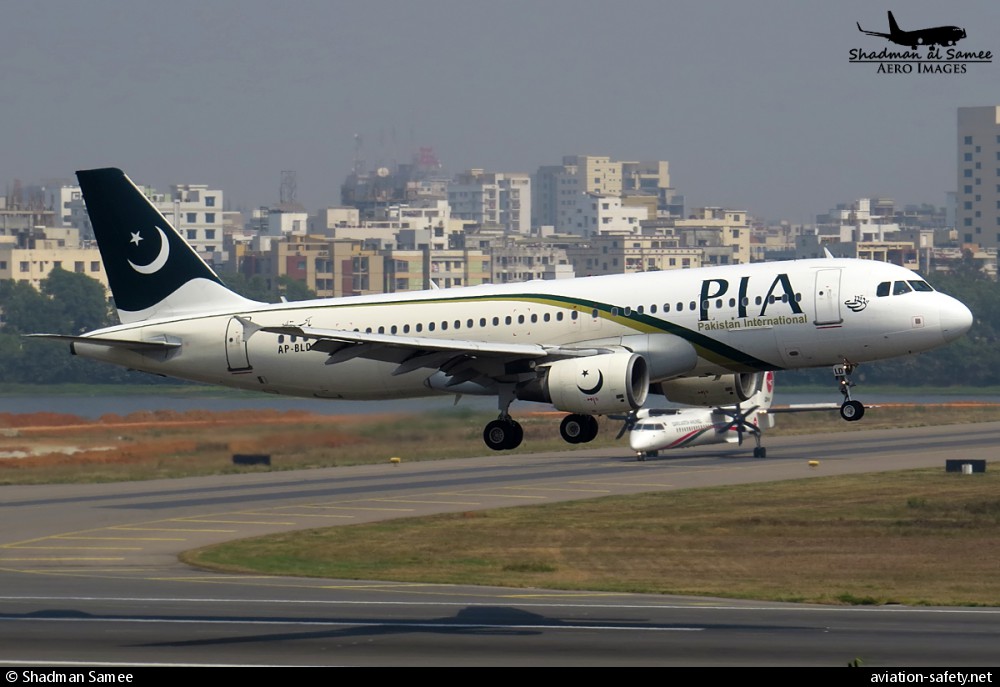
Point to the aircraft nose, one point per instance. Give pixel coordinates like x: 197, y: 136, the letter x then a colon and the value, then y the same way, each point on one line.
x: 640, y: 441
x: 956, y: 320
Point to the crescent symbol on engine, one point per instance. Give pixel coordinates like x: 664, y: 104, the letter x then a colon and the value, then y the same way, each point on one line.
x: 594, y: 389
x: 159, y: 261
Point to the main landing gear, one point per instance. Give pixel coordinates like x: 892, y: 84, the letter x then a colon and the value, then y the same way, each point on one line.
x: 505, y: 433
x: 851, y: 410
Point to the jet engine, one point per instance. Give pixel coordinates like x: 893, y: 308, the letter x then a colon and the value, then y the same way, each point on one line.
x: 719, y: 390
x: 593, y: 385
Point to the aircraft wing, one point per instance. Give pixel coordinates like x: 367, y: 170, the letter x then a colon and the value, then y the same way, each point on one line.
x: 463, y: 359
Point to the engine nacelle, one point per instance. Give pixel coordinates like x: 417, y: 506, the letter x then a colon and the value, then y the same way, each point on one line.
x: 594, y: 385
x: 721, y: 390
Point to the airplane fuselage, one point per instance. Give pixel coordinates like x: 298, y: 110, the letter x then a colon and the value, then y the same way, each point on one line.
x: 682, y: 429
x: 738, y: 318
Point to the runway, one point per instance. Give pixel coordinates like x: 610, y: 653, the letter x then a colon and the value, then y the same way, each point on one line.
x: 89, y: 574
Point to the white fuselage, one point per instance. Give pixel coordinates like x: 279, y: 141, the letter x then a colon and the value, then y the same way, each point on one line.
x: 738, y: 318
x: 685, y: 427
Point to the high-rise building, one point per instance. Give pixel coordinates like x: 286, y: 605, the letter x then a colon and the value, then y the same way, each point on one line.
x: 977, y: 212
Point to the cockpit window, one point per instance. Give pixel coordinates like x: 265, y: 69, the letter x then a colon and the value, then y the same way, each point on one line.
x: 921, y: 285
x: 883, y: 289
x: 900, y: 287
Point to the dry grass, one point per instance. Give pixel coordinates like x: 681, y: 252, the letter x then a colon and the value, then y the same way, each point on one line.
x: 921, y: 537
x: 148, y: 445
x: 918, y: 537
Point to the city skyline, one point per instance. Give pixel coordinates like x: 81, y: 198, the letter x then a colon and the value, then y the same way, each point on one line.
x: 755, y: 107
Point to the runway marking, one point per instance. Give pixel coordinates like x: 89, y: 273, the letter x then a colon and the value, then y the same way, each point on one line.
x: 434, y: 503
x: 77, y: 548
x: 135, y: 528
x: 705, y: 605
x: 390, y: 510
x: 318, y: 515
x: 399, y: 624
x: 572, y: 491
x: 52, y: 560
x: 237, y: 522
x: 59, y: 536
x: 502, y: 496
x: 644, y: 483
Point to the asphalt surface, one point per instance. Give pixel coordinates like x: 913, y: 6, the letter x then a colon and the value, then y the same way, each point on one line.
x: 89, y: 573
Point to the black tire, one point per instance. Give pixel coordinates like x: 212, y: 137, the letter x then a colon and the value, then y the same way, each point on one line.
x: 502, y: 435
x: 590, y: 429
x: 578, y: 428
x: 852, y: 411
x: 573, y: 428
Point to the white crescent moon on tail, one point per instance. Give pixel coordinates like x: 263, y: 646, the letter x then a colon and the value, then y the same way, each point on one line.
x: 161, y: 258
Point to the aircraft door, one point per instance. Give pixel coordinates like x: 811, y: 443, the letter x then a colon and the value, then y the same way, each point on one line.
x: 828, y: 297
x: 237, y: 359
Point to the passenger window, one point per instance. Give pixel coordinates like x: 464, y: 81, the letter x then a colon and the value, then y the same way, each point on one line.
x: 900, y: 287
x: 883, y: 289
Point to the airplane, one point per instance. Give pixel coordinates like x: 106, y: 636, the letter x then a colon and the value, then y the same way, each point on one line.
x: 651, y: 430
x: 589, y: 346
x: 938, y: 35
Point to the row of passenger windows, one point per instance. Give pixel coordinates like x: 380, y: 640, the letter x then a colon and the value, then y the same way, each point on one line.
x: 559, y: 316
x: 901, y: 287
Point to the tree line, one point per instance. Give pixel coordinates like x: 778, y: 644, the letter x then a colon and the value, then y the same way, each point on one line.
x: 71, y: 303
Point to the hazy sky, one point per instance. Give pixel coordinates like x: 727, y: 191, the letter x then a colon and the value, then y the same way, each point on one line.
x: 754, y: 103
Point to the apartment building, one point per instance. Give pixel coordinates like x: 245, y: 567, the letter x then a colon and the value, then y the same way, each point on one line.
x: 977, y: 211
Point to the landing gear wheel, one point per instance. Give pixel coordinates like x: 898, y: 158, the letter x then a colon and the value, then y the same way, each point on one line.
x: 852, y: 411
x: 760, y: 452
x: 578, y: 429
x: 501, y: 435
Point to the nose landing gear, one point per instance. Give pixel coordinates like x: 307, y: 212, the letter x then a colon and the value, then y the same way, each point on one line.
x: 851, y: 410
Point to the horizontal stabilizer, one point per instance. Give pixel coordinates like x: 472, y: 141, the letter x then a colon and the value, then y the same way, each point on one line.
x: 113, y: 343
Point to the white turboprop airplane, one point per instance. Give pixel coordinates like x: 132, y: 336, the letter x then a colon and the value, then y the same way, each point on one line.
x: 651, y: 430
x: 589, y: 346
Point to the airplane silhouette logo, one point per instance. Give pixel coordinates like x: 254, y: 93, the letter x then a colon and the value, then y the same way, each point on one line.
x: 937, y: 35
